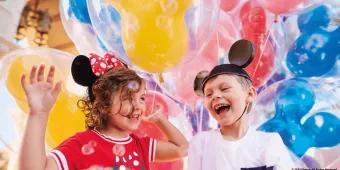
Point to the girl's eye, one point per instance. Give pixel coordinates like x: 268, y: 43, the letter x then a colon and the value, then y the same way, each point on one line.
x: 208, y: 95
x: 125, y: 98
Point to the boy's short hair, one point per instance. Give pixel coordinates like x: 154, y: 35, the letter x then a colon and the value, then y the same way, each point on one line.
x: 225, y: 69
x: 230, y: 69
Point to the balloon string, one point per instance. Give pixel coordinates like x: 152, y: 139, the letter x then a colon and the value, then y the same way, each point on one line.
x: 276, y: 18
x: 6, y: 144
x: 154, y: 97
x: 201, y: 118
x: 264, y: 48
x: 161, y: 78
x: 334, y: 163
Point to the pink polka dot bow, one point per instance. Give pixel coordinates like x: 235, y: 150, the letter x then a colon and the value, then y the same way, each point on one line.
x: 101, y: 65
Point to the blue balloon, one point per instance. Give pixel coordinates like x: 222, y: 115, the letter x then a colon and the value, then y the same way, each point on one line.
x: 335, y: 41
x: 323, y: 128
x: 295, y: 139
x: 106, y: 22
x: 294, y: 98
x: 79, y: 9
x: 314, y: 19
x: 312, y: 54
x: 273, y: 125
x: 109, y: 15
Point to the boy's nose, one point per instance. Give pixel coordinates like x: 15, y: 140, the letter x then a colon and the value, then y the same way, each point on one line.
x: 217, y: 95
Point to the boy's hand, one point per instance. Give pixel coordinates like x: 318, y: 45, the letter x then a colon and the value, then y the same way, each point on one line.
x: 40, y: 91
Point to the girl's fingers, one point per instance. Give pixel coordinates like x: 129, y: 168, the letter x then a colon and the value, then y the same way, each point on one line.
x: 41, y: 73
x: 23, y: 82
x: 32, y: 74
x: 50, y: 76
x: 57, y: 88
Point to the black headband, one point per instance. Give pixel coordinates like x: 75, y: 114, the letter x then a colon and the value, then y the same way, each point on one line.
x: 240, y: 56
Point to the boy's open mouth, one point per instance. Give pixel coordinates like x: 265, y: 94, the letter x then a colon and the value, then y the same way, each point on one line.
x: 219, y: 108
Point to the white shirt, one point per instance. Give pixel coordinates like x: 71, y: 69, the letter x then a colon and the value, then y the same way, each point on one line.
x: 210, y: 151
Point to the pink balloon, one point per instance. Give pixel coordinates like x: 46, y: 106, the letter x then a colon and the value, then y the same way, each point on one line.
x: 155, y: 99
x: 286, y: 6
x: 227, y: 5
x: 179, y: 81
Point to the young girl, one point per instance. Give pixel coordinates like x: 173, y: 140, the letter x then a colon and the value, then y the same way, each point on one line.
x: 113, y: 109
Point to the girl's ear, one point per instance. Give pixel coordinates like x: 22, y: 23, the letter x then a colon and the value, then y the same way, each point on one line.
x: 82, y: 72
x: 251, y: 94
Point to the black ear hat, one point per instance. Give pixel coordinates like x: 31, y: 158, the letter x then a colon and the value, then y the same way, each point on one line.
x: 240, y: 56
x: 82, y: 72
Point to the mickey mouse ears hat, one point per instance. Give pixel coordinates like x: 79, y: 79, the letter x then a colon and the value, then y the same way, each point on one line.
x: 240, y: 56
x: 86, y: 70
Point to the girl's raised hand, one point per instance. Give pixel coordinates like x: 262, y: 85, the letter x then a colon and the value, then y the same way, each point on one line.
x: 40, y: 91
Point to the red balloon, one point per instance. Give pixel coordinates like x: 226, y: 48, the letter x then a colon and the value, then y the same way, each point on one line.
x: 262, y: 66
x: 286, y: 6
x: 227, y: 5
x: 253, y: 20
x: 253, y: 23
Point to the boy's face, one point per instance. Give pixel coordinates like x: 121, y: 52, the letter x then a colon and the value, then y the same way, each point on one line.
x: 226, y: 98
x: 125, y: 114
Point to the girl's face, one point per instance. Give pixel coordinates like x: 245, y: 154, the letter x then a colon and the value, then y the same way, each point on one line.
x: 226, y: 98
x: 127, y: 110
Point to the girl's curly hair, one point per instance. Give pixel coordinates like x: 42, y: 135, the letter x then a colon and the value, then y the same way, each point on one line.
x: 99, y: 96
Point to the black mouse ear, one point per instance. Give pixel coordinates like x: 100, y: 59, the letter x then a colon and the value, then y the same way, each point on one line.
x: 198, y: 82
x: 241, y: 53
x: 82, y: 72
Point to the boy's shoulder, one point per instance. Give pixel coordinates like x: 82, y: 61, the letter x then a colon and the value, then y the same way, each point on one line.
x: 203, y: 135
x: 267, y: 135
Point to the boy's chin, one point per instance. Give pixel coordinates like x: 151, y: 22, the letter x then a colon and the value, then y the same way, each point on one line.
x: 225, y: 122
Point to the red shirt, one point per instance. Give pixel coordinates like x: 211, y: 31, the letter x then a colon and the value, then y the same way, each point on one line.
x: 92, y: 150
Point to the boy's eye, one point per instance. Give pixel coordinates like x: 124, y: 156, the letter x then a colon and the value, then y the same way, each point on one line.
x: 225, y: 88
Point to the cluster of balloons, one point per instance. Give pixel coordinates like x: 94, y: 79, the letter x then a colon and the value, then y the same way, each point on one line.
x: 169, y: 41
x: 294, y: 99
x: 315, y: 46
x: 301, y: 103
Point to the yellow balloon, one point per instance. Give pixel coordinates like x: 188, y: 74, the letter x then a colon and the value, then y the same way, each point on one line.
x: 22, y: 65
x: 65, y: 118
x: 154, y: 33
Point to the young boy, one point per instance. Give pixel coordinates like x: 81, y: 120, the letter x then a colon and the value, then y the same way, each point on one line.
x: 228, y: 94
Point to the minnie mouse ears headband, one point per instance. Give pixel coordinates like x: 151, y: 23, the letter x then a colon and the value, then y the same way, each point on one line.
x: 240, y: 56
x: 85, y: 71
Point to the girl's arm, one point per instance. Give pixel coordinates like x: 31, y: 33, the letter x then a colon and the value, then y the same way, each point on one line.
x: 41, y: 94
x: 176, y: 146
